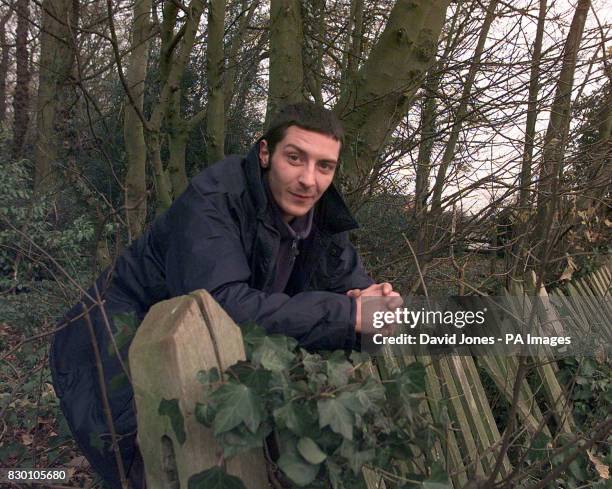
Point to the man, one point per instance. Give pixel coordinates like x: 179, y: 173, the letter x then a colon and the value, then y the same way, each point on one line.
x: 266, y: 235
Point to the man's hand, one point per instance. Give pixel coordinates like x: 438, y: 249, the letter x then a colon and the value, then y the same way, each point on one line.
x: 384, y: 289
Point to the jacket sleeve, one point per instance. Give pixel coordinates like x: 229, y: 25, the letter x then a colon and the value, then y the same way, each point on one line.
x: 350, y: 273
x: 204, y: 250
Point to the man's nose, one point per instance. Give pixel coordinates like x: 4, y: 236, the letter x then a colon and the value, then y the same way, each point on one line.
x: 307, y: 175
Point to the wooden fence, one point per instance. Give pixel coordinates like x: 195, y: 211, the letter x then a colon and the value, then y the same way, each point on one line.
x: 184, y: 335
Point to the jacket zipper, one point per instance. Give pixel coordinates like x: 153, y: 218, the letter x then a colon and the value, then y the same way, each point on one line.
x: 294, y: 250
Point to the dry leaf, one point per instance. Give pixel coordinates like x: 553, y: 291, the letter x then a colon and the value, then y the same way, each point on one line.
x: 602, y: 469
x: 600, y: 355
x: 27, y: 439
x: 569, y: 269
x: 79, y: 461
x: 608, y: 223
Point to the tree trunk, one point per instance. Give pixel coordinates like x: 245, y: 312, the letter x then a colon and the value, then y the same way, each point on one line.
x: 176, y: 49
x: 428, y: 133
x: 519, y: 230
x: 461, y: 113
x: 286, y: 67
x: 163, y: 192
x: 133, y: 128
x: 353, y: 49
x: 385, y: 85
x: 56, y: 61
x: 312, y: 53
x: 178, y: 134
x: 215, y: 112
x: 555, y: 140
x: 4, y: 63
x: 21, y: 98
x: 532, y: 111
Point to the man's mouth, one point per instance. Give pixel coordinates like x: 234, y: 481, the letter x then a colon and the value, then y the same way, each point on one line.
x: 301, y: 196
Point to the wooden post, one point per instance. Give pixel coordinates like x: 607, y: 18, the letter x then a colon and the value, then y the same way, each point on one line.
x: 178, y: 338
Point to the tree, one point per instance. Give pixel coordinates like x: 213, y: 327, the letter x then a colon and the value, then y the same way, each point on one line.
x: 56, y: 61
x: 4, y: 63
x: 385, y: 88
x: 133, y: 127
x: 555, y: 141
x: 286, y: 80
x: 215, y: 117
x: 21, y: 98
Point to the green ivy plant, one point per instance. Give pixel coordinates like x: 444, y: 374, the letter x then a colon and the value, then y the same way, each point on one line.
x: 327, y: 418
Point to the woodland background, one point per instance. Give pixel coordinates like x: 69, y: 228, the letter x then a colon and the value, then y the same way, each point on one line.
x: 477, y: 153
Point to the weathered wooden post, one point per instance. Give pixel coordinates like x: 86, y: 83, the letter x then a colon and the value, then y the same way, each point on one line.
x: 178, y: 338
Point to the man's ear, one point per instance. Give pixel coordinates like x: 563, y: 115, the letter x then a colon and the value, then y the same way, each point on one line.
x: 264, y: 154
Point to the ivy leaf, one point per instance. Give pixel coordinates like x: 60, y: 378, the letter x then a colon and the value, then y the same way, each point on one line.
x: 412, y: 378
x: 310, y: 451
x: 118, y: 382
x: 296, y: 417
x: 335, y: 474
x: 240, y: 439
x: 338, y: 369
x: 370, y: 394
x: 206, y: 377
x: 205, y: 414
x: 214, y: 478
x: 254, y: 378
x: 313, y: 362
x: 364, y: 399
x: 538, y: 449
x: 359, y: 357
x: 126, y: 325
x: 299, y: 471
x: 332, y: 413
x: 171, y: 409
x: 236, y: 403
x: 96, y: 441
x: 274, y: 353
x: 354, y: 457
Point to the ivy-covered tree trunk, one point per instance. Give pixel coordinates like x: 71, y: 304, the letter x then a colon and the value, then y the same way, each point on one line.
x: 600, y: 169
x: 133, y: 127
x: 215, y: 118
x: 56, y: 61
x: 386, y: 84
x: 286, y: 66
x: 178, y: 132
x: 21, y: 97
x: 178, y: 135
x: 4, y: 63
x: 555, y: 141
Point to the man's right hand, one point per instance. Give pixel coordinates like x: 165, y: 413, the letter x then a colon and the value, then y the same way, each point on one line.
x: 385, y: 289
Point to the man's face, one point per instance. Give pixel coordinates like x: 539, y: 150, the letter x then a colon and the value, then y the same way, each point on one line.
x: 300, y: 170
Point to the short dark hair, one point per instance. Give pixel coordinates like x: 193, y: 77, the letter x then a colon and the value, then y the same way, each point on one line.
x: 308, y: 116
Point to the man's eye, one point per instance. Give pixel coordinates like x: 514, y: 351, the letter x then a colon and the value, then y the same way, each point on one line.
x: 293, y: 157
x: 327, y: 167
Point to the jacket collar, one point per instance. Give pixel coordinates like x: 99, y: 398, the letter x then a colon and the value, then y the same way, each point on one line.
x: 331, y: 213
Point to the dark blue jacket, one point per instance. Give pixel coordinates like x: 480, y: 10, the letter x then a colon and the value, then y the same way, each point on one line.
x: 219, y: 236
